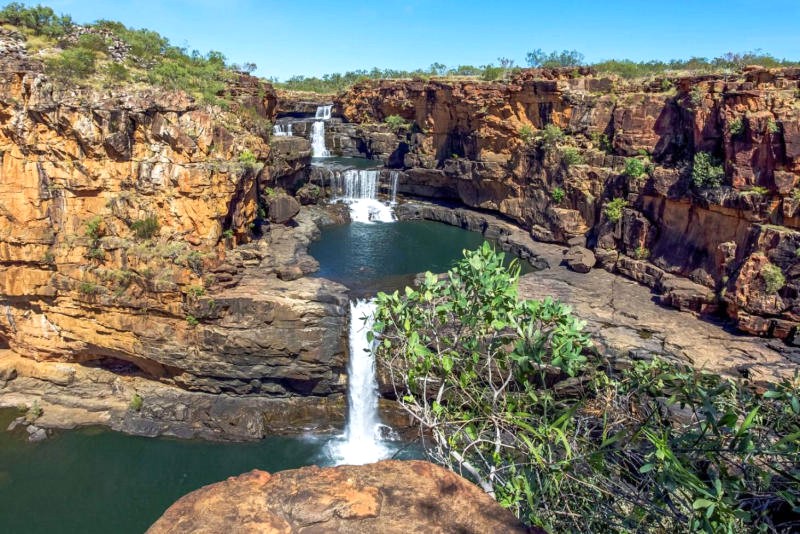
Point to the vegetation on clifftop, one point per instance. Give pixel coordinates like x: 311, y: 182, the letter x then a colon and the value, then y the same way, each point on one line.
x: 507, y: 393
x: 108, y: 53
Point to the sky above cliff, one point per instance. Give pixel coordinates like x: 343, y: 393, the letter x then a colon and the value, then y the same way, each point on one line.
x: 314, y: 37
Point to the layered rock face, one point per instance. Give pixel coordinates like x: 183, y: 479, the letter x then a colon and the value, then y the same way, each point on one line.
x: 119, y: 212
x: 488, y: 145
x: 389, y: 496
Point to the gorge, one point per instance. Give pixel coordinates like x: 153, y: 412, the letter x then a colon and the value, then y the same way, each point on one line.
x: 173, y: 266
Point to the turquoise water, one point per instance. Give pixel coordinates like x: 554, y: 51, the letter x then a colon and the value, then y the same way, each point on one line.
x: 369, y: 258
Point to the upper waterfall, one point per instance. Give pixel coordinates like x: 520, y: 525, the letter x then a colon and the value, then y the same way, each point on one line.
x: 323, y: 112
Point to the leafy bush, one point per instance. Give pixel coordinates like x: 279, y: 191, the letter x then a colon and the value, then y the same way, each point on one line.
x: 94, y: 228
x: 551, y: 135
x: 248, y: 159
x: 117, y: 73
x: 707, y: 171
x: 613, y: 209
x: 697, y: 95
x: 40, y: 19
x: 601, y: 141
x: 136, y: 403
x: 146, y: 228
x: 571, y: 156
x: 566, y: 58
x: 557, y: 194
x: 71, y: 64
x: 736, y: 126
x: 772, y: 127
x: 526, y: 133
x: 192, y: 321
x: 88, y: 288
x: 773, y: 278
x: 656, y: 448
x: 641, y: 253
x: 396, y: 122
x: 634, y: 168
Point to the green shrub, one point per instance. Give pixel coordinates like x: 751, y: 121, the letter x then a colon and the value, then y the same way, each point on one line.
x: 73, y: 64
x: 634, y: 168
x: 93, y: 42
x: 772, y: 127
x: 773, y: 278
x: 473, y: 365
x: 136, y: 403
x: 707, y: 171
x: 196, y: 291
x: 736, y: 126
x: 641, y: 253
x: 613, y: 209
x: 697, y: 95
x: 146, y: 228
x: 94, y: 228
x: 602, y: 142
x: 40, y: 19
x: 571, y: 156
x: 117, y: 73
x: 88, y: 288
x: 396, y: 122
x: 248, y: 159
x: 557, y: 194
x: 526, y: 133
x: 33, y: 412
x: 756, y: 190
x: 192, y: 320
x: 566, y: 58
x: 96, y: 253
x: 667, y: 85
x: 551, y: 135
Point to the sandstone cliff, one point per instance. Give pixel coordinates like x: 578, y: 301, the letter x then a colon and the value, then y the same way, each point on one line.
x: 119, y: 214
x: 487, y: 145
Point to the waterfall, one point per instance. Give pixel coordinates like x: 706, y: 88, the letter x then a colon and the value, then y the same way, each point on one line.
x: 395, y: 177
x: 318, y: 140
x: 361, y: 443
x: 279, y: 131
x: 323, y: 113
x: 359, y: 189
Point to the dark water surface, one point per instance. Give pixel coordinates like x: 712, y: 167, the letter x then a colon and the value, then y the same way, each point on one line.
x: 369, y: 258
x: 94, y: 480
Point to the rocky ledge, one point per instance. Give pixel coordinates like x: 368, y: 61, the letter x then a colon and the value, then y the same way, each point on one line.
x: 390, y: 496
x: 625, y: 319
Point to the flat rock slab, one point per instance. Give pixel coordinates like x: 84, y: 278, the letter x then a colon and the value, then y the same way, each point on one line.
x: 387, y: 497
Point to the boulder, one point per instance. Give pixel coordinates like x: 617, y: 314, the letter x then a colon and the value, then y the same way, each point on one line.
x: 389, y: 496
x: 580, y: 259
x: 282, y: 208
x: 309, y: 194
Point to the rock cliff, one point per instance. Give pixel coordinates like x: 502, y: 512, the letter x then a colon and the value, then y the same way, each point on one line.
x: 126, y: 217
x: 389, y: 496
x: 552, y: 149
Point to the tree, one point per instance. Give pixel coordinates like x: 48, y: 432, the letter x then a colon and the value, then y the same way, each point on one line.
x: 566, y: 58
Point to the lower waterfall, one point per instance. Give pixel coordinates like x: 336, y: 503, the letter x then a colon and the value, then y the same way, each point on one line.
x: 359, y: 189
x: 362, y: 440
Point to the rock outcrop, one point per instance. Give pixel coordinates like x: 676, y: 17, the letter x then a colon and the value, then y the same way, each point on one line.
x: 550, y: 148
x: 386, y: 497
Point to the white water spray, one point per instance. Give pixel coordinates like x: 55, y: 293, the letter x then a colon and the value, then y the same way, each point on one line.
x: 318, y: 148
x: 359, y: 189
x: 323, y: 113
x: 280, y: 130
x: 361, y: 443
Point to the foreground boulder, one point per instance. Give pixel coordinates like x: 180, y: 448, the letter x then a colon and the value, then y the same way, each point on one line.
x: 386, y: 497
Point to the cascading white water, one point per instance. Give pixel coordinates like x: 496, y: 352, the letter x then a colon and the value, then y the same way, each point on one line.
x: 395, y: 177
x: 323, y: 112
x: 280, y: 131
x: 361, y: 443
x: 318, y: 148
x: 359, y: 189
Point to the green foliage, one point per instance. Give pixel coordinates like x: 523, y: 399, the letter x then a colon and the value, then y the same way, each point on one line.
x: 773, y: 127
x: 146, y: 228
x: 667, y: 85
x: 697, y: 95
x: 396, y: 122
x: 94, y: 228
x: 192, y: 320
x: 773, y: 277
x: 571, y: 156
x: 641, y: 253
x: 135, y: 405
x: 72, y: 64
x: 200, y: 76
x: 228, y: 234
x: 756, y: 190
x: 194, y: 261
x: 117, y: 73
x: 601, y: 141
x: 726, y: 63
x: 707, y: 171
x: 196, y: 291
x: 247, y: 159
x: 557, y: 194
x: 736, y: 126
x: 96, y: 252
x: 613, y: 209
x: 40, y: 19
x: 634, y: 168
x: 565, y: 58
x: 551, y: 135
x: 656, y: 448
x: 526, y: 133
x: 88, y: 288
x: 93, y: 42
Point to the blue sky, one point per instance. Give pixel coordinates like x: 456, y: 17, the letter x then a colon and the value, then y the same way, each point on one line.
x: 314, y: 37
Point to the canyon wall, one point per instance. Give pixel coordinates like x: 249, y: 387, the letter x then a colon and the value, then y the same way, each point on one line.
x: 732, y: 248
x: 126, y: 225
